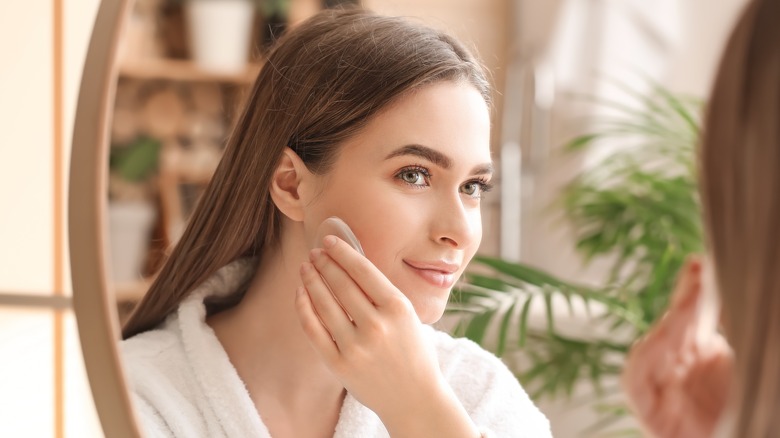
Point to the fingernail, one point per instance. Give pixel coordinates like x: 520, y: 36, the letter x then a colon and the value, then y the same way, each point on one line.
x: 315, y: 254
x: 305, y: 267
x: 694, y: 264
x: 329, y: 241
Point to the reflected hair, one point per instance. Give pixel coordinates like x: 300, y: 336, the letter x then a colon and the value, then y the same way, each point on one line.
x: 320, y: 85
x: 740, y: 185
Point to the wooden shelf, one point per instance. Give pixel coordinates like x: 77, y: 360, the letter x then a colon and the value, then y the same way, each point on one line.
x: 192, y: 177
x: 184, y: 70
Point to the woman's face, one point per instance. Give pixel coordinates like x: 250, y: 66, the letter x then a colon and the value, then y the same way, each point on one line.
x: 409, y: 186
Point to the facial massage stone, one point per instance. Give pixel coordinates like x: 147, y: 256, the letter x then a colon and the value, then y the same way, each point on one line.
x: 337, y: 227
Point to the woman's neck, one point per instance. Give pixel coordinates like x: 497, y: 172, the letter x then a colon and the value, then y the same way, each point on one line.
x: 264, y: 339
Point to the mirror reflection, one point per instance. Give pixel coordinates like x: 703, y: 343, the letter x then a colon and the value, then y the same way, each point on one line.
x: 184, y: 71
x: 352, y: 116
x: 222, y: 167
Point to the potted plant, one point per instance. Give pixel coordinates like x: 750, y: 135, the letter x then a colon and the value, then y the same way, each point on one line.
x: 131, y: 210
x: 220, y: 31
x: 275, y: 15
x: 639, y: 209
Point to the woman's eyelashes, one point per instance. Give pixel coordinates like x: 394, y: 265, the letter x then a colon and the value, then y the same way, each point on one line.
x: 476, y: 188
x: 420, y: 177
x: 415, y: 176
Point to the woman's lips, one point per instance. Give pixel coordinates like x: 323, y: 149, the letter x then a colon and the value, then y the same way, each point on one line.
x: 438, y: 274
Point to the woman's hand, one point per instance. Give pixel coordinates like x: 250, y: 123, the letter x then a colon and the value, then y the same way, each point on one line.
x: 678, y: 385
x: 371, y: 338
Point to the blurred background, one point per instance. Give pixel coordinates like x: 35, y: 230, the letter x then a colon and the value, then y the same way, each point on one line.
x: 595, y: 121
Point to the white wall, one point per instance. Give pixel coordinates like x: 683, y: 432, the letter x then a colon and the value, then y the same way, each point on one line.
x: 26, y: 142
x: 691, y: 36
x: 694, y: 31
x: 27, y: 216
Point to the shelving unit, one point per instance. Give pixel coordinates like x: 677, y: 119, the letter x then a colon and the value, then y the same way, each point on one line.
x: 165, y: 96
x: 189, y: 110
x: 184, y: 71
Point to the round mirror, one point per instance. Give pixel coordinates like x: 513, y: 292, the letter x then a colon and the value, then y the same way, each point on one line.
x: 155, y: 105
x: 93, y: 303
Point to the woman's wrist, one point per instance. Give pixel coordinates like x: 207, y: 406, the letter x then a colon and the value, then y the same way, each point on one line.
x: 436, y: 411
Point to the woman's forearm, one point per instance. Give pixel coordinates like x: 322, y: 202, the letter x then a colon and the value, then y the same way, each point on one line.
x: 436, y: 412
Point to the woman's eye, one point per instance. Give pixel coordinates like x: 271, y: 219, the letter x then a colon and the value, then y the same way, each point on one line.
x: 471, y: 189
x: 475, y: 189
x: 414, y: 177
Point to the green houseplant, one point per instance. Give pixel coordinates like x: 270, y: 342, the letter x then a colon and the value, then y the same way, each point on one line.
x: 131, y: 209
x: 639, y: 209
x: 137, y: 161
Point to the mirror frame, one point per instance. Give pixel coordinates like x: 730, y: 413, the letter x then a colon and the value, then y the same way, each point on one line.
x: 93, y: 302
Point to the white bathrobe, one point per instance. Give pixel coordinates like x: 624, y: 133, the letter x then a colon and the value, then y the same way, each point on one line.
x: 184, y: 385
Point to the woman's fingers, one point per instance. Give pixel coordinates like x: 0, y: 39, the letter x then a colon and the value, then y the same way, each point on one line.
x: 368, y: 278
x: 669, y: 371
x: 711, y: 376
x: 331, y: 314
x: 313, y: 327
x: 684, y: 298
x: 672, y: 340
x: 654, y: 360
x: 681, y: 316
x: 638, y: 379
x: 688, y: 284
x: 351, y: 297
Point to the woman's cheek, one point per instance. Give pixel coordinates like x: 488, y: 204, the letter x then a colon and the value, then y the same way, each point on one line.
x: 477, y: 237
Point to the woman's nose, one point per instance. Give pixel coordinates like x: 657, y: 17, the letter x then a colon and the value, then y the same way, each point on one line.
x: 455, y: 225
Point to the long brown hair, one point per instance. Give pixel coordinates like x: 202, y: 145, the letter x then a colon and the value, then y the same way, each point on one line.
x: 320, y: 85
x: 740, y: 182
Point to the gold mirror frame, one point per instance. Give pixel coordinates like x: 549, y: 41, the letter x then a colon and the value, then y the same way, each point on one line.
x: 93, y: 302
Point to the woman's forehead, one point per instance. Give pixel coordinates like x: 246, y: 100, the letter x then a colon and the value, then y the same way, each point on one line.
x: 449, y: 119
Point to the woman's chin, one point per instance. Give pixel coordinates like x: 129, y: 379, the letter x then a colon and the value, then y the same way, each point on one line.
x: 430, y: 309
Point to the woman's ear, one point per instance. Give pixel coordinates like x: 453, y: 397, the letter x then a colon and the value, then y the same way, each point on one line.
x: 286, y: 184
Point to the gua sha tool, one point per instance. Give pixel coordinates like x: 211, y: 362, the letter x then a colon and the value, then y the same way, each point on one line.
x: 339, y: 228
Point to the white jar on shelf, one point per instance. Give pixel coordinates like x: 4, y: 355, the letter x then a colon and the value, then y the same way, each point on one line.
x: 130, y: 226
x: 220, y: 33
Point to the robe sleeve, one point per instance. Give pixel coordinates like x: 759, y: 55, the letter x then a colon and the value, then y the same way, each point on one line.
x: 489, y: 391
x: 506, y: 410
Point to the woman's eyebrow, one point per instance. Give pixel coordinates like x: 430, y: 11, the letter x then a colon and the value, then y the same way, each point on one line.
x: 483, y: 169
x: 424, y: 152
x: 436, y: 158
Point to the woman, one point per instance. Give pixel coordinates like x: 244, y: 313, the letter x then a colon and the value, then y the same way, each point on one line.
x: 246, y: 332
x: 684, y: 385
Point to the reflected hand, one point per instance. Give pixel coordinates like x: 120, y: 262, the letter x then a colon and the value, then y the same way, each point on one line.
x: 370, y: 337
x: 678, y: 386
